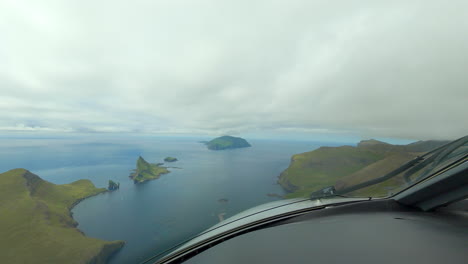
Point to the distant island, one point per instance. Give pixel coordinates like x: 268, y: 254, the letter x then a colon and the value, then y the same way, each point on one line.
x: 113, y: 185
x: 345, y: 166
x: 227, y: 142
x: 170, y: 159
x: 36, y: 222
x: 147, y: 171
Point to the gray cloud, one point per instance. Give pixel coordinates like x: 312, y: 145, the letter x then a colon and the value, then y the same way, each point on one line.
x: 374, y: 68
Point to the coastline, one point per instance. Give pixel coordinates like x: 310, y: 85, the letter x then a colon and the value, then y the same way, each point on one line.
x: 110, y: 248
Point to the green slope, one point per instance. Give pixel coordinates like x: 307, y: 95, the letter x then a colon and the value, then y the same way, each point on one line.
x: 320, y: 168
x: 346, y: 166
x: 36, y: 224
x: 227, y: 142
x: 146, y: 171
x: 381, y: 167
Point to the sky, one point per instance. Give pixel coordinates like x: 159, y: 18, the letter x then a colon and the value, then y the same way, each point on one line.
x: 389, y: 69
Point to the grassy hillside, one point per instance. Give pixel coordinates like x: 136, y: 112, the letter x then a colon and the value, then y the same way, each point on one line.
x: 146, y: 171
x: 346, y: 166
x: 380, y: 167
x: 36, y: 225
x: 227, y: 142
x: 320, y: 168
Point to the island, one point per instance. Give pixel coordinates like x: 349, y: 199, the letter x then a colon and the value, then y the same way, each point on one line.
x: 345, y: 166
x: 227, y: 142
x: 36, y: 224
x: 170, y: 159
x: 147, y: 171
x: 113, y: 185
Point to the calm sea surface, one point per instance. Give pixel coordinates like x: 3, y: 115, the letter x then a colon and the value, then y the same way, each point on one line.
x: 156, y: 215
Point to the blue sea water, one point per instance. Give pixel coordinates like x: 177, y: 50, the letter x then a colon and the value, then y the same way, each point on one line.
x: 156, y: 215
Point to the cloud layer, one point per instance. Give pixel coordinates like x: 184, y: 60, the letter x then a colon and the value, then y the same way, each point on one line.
x: 393, y: 69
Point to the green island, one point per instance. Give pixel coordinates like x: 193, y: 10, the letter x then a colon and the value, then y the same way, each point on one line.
x: 346, y: 166
x: 170, y: 159
x: 147, y: 171
x: 113, y: 185
x: 227, y: 142
x: 36, y: 224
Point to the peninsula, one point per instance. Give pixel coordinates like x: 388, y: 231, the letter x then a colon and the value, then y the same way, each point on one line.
x: 36, y: 222
x: 147, y: 171
x: 227, y: 142
x: 345, y: 166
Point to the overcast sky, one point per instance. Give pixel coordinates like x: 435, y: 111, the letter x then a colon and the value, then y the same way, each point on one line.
x: 372, y: 68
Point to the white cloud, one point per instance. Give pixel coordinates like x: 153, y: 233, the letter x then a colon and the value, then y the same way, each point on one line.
x: 394, y: 69
x: 25, y: 128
